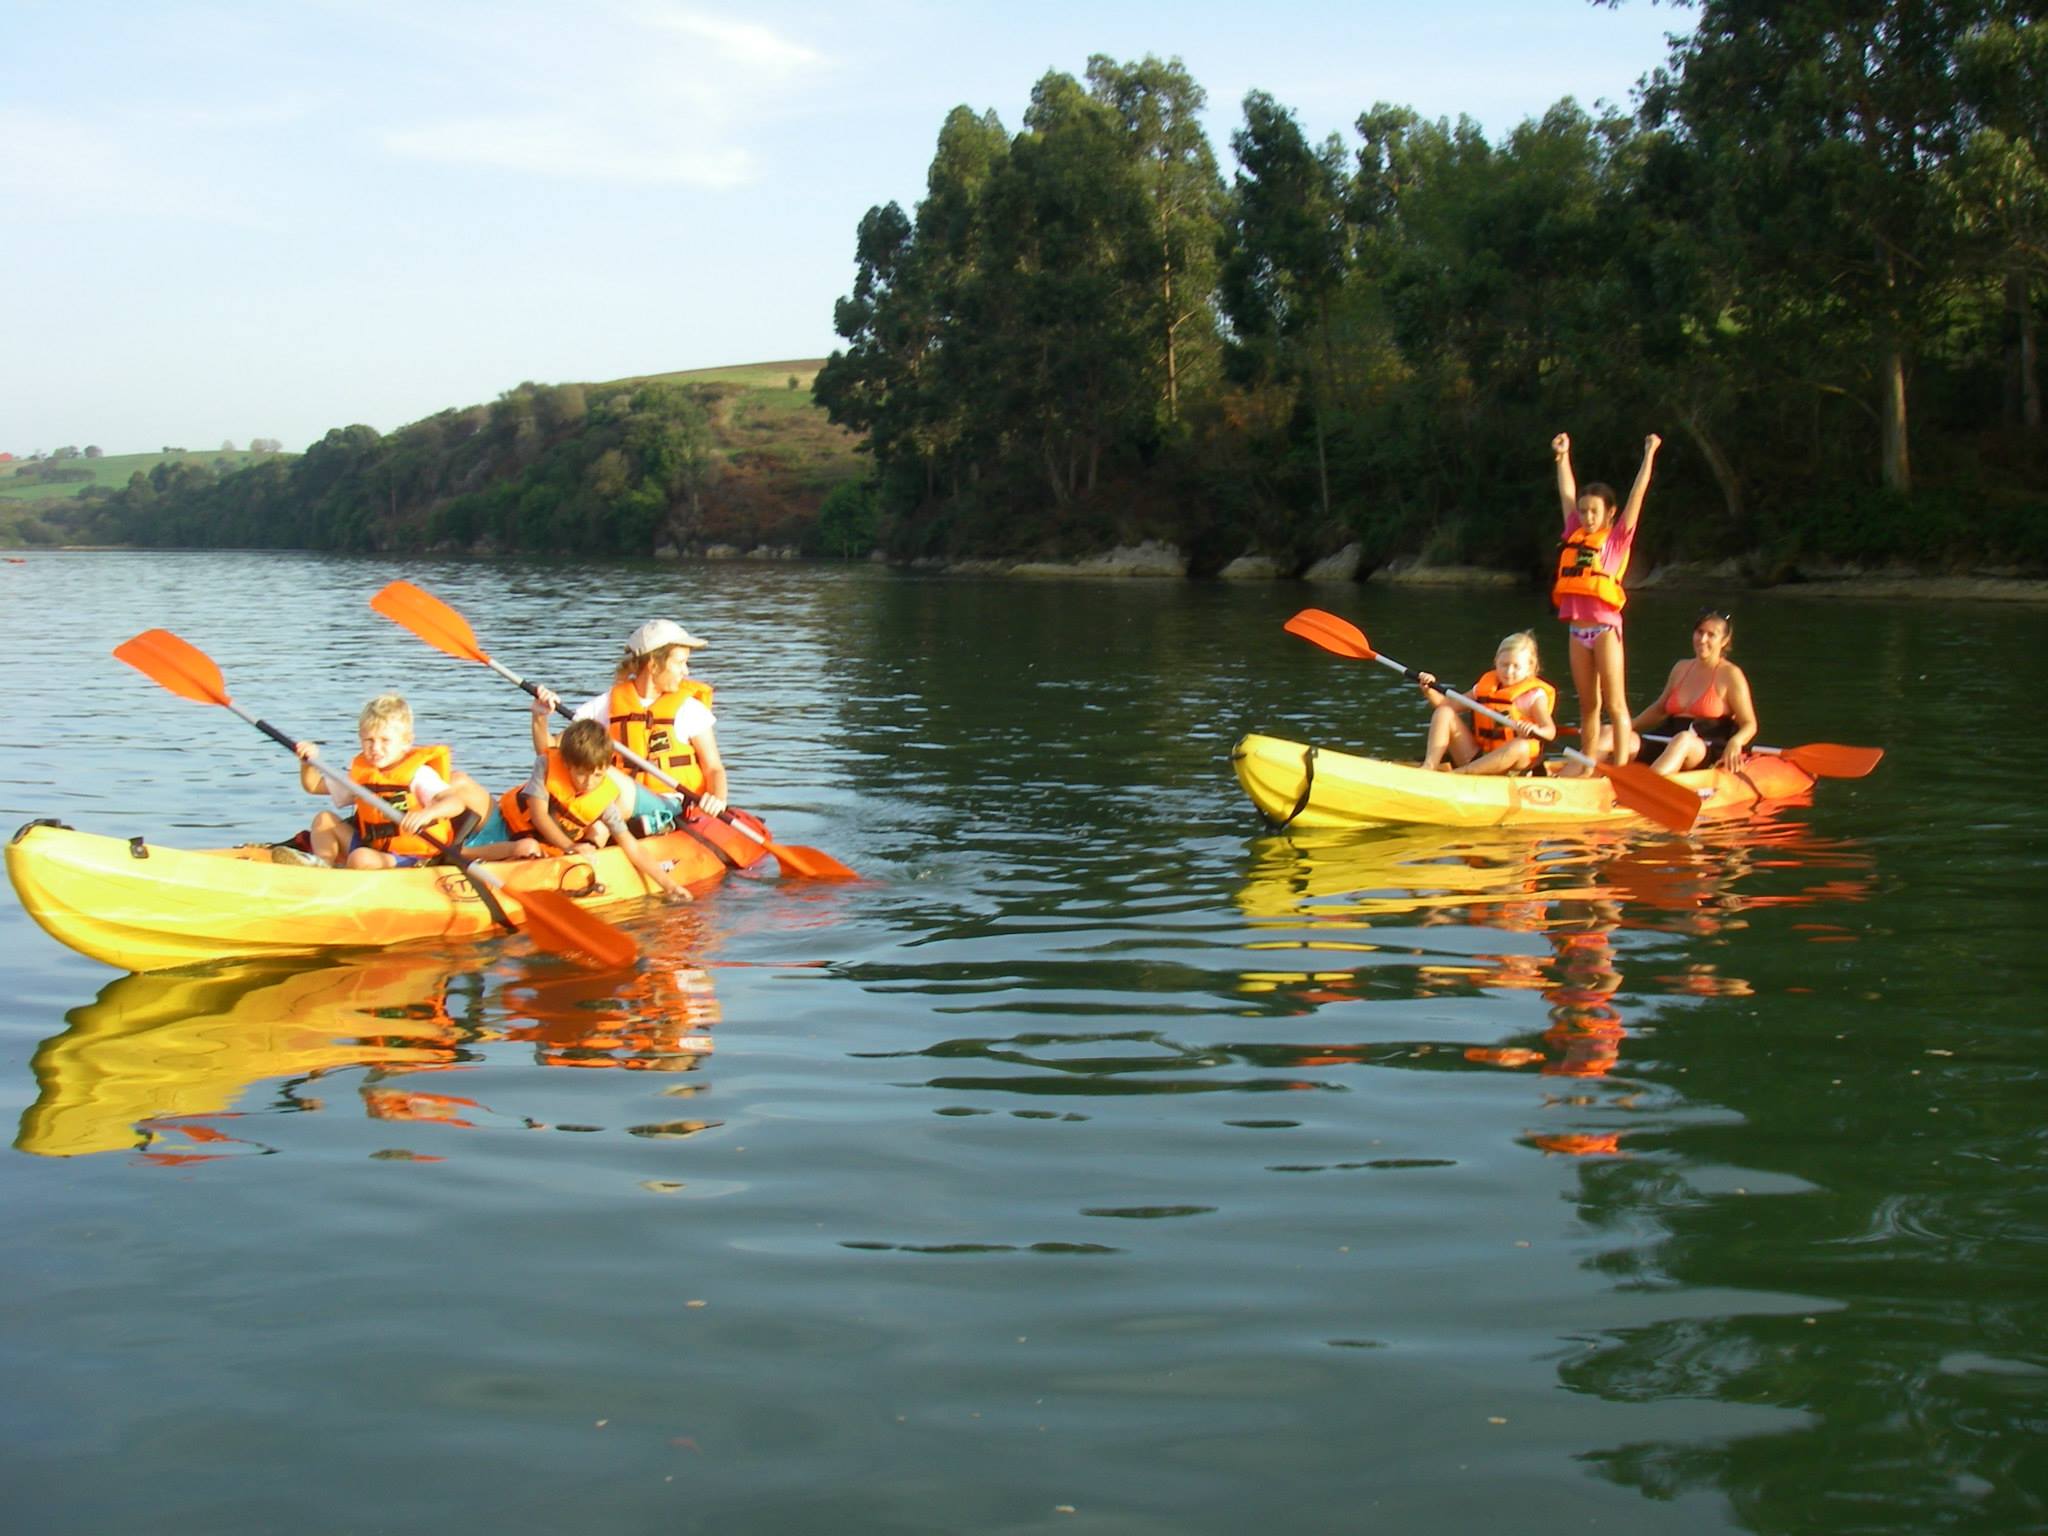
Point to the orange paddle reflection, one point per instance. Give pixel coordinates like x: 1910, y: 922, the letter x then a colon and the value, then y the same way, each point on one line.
x: 1390, y: 918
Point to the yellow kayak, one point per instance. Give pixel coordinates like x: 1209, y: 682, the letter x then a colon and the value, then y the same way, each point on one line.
x: 1297, y: 785
x: 143, y: 907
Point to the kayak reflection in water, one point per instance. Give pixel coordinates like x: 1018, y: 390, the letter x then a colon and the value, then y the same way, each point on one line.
x: 185, y: 1067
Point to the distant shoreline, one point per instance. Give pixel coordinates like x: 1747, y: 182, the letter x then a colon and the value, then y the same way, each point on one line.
x: 1156, y: 562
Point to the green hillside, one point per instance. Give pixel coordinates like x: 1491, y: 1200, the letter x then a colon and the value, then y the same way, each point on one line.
x: 736, y: 456
x: 49, y: 480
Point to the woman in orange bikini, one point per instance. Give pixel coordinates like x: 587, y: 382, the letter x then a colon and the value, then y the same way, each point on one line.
x: 1705, y: 703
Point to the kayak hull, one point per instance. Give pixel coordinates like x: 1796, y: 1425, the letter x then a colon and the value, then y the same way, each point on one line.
x: 143, y: 907
x: 1297, y: 785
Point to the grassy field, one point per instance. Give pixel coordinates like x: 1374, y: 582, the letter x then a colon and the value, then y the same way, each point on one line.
x: 769, y: 429
x: 112, y: 471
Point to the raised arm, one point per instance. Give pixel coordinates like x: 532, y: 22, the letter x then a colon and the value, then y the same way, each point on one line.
x: 1641, y: 488
x: 543, y: 707
x: 1567, y: 484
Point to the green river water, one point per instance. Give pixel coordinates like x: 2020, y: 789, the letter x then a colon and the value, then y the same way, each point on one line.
x: 1100, y: 1162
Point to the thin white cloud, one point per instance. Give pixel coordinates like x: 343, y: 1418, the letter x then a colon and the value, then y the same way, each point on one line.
x: 740, y: 42
x: 647, y: 93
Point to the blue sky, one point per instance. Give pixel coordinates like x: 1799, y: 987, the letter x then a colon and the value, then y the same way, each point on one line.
x: 224, y: 221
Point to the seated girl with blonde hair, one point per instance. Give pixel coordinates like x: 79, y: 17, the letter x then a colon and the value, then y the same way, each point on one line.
x: 1476, y: 743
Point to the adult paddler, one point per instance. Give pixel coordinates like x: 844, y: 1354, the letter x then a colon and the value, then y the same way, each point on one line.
x: 656, y: 710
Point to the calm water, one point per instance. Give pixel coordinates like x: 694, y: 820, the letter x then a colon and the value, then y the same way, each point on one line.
x: 1101, y: 1163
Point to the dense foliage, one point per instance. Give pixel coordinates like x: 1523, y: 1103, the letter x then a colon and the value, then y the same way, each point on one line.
x: 544, y: 467
x: 1814, y: 261
x: 603, y: 469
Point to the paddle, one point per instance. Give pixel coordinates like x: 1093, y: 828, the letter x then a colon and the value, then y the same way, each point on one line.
x: 553, y: 920
x: 1635, y: 786
x: 1822, y: 759
x: 446, y: 630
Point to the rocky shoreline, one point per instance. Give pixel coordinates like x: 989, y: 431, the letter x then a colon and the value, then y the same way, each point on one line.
x: 1155, y: 560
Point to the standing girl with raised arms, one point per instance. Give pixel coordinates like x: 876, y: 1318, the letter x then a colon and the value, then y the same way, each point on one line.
x: 1588, y: 592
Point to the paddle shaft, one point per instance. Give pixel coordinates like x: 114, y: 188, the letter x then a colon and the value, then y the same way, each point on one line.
x: 1666, y: 738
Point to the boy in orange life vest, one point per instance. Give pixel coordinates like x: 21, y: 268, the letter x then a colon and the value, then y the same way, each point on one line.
x: 1481, y: 745
x: 418, y: 782
x: 571, y: 805
x: 1588, y: 593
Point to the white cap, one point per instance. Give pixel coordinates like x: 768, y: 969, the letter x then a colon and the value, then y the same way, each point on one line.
x: 656, y: 633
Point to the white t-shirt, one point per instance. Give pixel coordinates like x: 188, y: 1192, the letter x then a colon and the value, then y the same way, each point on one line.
x: 692, y: 720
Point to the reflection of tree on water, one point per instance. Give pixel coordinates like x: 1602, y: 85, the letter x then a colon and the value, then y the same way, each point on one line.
x: 1381, y: 896
x: 185, y: 1067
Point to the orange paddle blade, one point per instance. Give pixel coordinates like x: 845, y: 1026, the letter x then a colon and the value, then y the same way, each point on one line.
x: 738, y: 835
x: 176, y: 664
x: 812, y: 863
x: 555, y: 922
x: 1649, y: 793
x: 1338, y: 636
x: 429, y: 618
x: 1827, y: 760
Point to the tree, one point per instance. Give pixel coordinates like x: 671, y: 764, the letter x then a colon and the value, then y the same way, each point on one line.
x: 92, y: 451
x: 1160, y: 106
x: 1061, y: 292
x: 1830, y: 123
x: 2001, y: 183
x: 1284, y: 256
x: 846, y: 521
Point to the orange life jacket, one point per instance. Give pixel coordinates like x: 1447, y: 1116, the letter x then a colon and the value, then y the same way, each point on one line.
x: 1579, y: 573
x: 649, y: 731
x: 1506, y: 698
x: 574, y: 813
x: 394, y: 784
